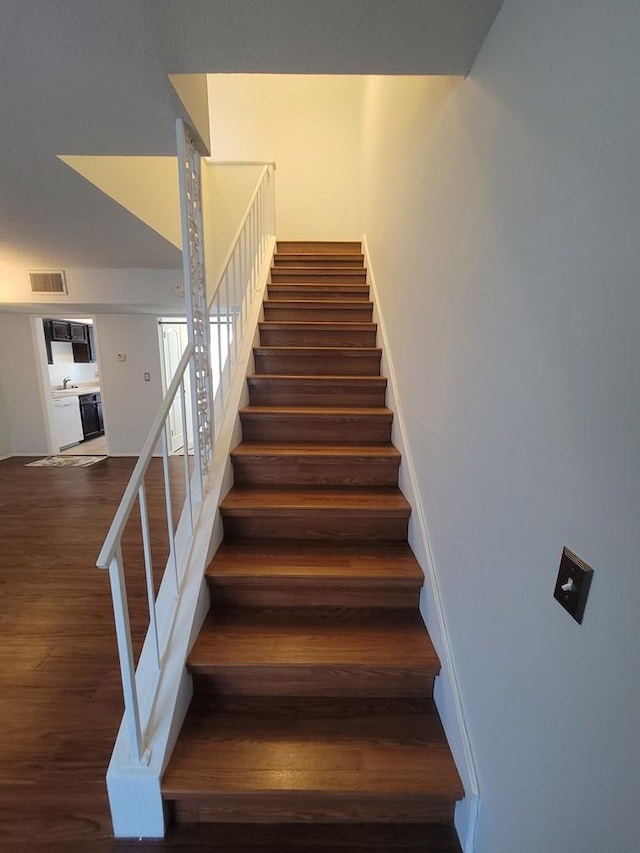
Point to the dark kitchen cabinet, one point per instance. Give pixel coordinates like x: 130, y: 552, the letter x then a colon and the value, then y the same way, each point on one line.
x: 46, y: 324
x: 91, y: 415
x: 79, y: 335
x: 60, y: 330
x: 85, y: 352
x: 78, y: 332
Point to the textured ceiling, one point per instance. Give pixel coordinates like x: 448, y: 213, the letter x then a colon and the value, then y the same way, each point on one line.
x: 89, y: 77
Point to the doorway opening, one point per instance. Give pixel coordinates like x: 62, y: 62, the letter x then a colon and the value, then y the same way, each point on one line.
x: 173, y: 341
x: 71, y: 386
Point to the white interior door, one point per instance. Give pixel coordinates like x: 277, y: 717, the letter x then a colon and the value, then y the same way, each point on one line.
x: 174, y: 341
x: 184, y: 340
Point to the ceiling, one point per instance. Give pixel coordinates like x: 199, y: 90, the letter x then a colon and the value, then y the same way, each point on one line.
x: 90, y: 77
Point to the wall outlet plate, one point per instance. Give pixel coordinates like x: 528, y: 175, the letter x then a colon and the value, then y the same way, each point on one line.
x: 573, y: 584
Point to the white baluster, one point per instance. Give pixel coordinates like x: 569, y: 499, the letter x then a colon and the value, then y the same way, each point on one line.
x: 148, y: 569
x: 125, y: 652
x: 167, y: 494
x: 220, y: 371
x: 187, y: 473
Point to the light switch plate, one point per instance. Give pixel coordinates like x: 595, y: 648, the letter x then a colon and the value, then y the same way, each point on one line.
x: 573, y: 584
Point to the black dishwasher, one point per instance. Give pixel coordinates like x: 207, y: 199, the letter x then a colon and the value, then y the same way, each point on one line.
x: 91, y: 414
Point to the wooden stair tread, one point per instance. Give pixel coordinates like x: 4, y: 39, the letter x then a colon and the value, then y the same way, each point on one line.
x: 281, y: 499
x: 308, y: 310
x: 344, y: 425
x: 317, y: 706
x: 330, y: 325
x: 277, y: 573
x: 289, y: 272
x: 313, y: 638
x: 371, y: 451
x: 320, y: 411
x: 307, y: 379
x: 318, y: 275
x: 342, y: 247
x: 406, y: 754
x: 306, y: 326
x: 352, y: 360
x: 282, y: 389
x: 310, y: 389
x: 311, y: 261
x: 335, y: 332
x: 343, y: 352
x: 306, y: 289
x: 342, y: 304
x: 302, y: 287
x: 351, y: 261
x: 315, y: 463
x: 318, y: 256
x: 340, y: 561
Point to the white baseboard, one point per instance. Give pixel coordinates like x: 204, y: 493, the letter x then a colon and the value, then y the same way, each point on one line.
x: 7, y: 456
x: 447, y: 691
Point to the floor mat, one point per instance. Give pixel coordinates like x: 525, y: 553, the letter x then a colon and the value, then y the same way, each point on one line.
x: 66, y: 461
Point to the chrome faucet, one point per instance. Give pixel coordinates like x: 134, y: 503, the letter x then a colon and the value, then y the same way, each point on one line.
x: 64, y: 382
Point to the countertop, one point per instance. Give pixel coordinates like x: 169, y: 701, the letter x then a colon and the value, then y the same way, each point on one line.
x: 59, y: 394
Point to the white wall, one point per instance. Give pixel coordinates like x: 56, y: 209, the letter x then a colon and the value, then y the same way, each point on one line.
x: 129, y: 403
x: 192, y: 89
x: 145, y: 186
x: 503, y: 215
x: 93, y: 289
x: 310, y: 126
x: 226, y: 193
x: 24, y: 422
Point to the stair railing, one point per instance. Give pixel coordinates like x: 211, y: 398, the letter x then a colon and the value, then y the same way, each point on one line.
x: 230, y: 305
x: 111, y: 554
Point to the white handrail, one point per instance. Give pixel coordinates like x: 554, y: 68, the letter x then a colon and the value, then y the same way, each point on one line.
x: 236, y: 236
x: 211, y: 162
x: 112, y: 541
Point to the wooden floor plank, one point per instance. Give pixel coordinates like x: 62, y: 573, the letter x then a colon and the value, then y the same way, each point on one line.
x: 60, y: 693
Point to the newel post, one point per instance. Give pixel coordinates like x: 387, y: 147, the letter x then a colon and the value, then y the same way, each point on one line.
x: 197, y: 309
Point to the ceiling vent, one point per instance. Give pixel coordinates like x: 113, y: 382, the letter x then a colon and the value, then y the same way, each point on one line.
x: 48, y: 282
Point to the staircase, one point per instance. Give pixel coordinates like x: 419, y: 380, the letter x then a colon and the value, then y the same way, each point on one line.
x: 312, y: 725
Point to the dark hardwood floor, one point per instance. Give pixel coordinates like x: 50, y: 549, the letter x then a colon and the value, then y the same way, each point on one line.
x: 60, y: 695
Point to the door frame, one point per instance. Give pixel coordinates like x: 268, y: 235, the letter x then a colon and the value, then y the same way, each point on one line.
x: 175, y: 443
x: 44, y: 385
